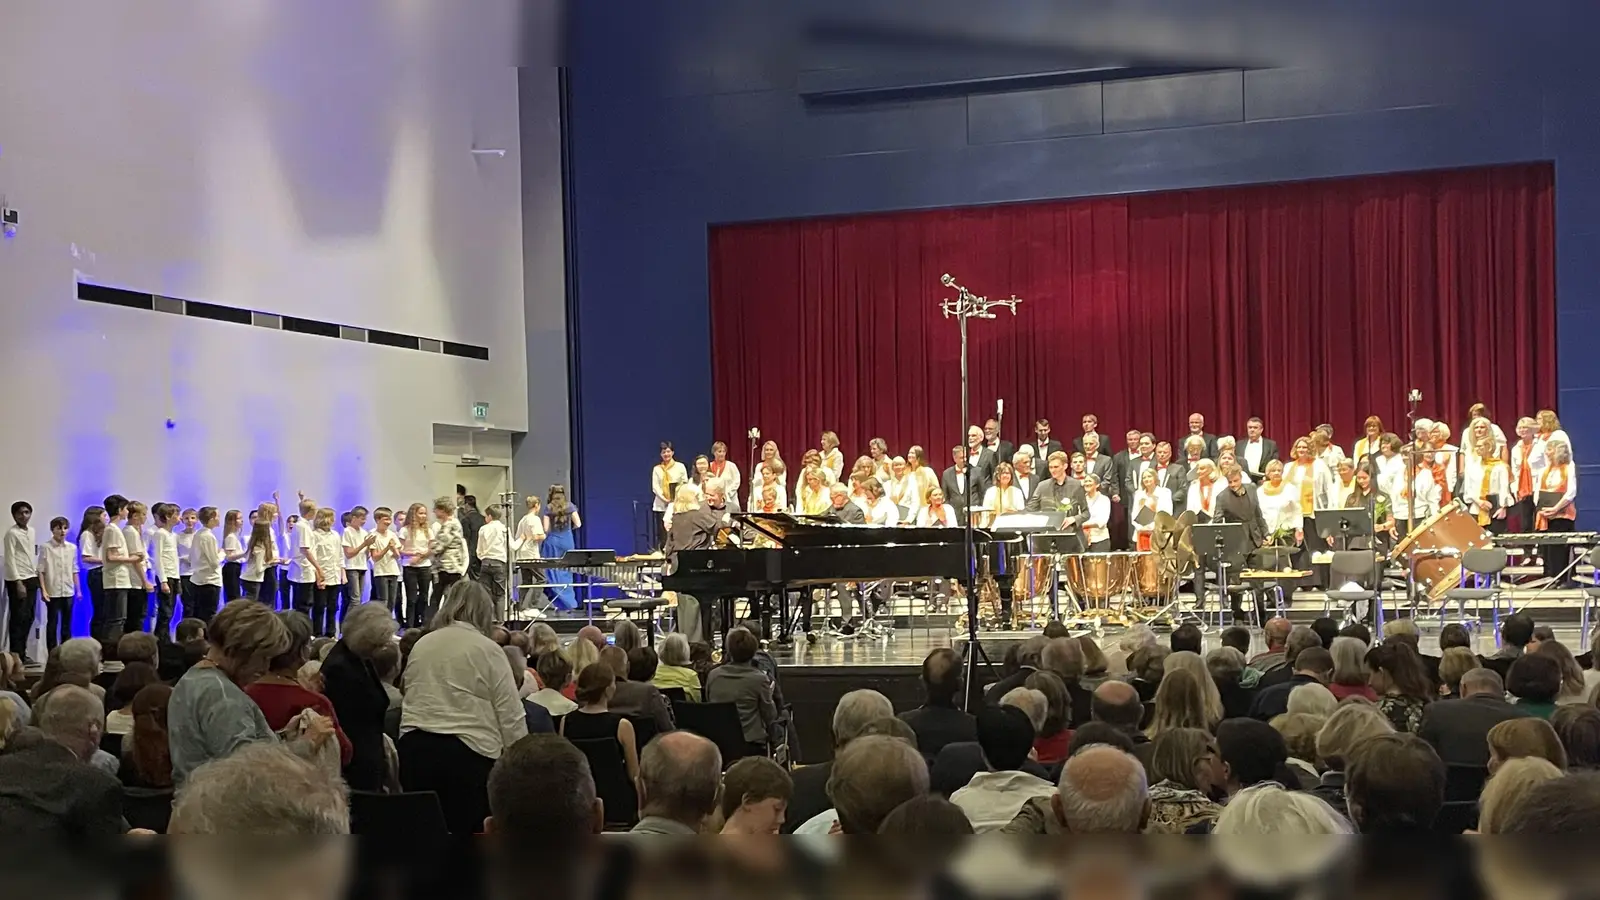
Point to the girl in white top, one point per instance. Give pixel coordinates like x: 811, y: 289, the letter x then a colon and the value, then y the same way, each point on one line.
x: 327, y: 560
x: 1004, y: 496
x: 1203, y: 490
x: 416, y: 553
x: 1150, y: 496
x: 936, y: 512
x: 688, y: 498
x: 260, y: 553
x: 832, y: 456
x: 702, y: 471
x: 1095, y: 532
x: 232, y: 555
x: 881, y: 510
x: 1486, y: 481
x: 1280, y: 506
x: 90, y: 531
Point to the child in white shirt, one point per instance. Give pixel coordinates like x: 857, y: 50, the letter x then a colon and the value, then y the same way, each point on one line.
x: 385, y: 553
x: 22, y: 577
x: 164, y: 564
x: 58, y: 571
x: 205, y: 563
x: 492, y: 556
x: 357, y: 544
x: 326, y: 554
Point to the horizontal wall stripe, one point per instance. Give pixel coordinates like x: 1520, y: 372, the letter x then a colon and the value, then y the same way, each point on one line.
x: 111, y: 296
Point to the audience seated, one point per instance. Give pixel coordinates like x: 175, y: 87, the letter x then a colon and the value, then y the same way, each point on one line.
x: 187, y: 648
x: 1358, y: 631
x: 1195, y: 663
x: 1563, y: 805
x: 739, y: 682
x: 594, y: 720
x: 594, y: 636
x: 11, y: 682
x: 537, y: 717
x: 1096, y: 668
x: 1313, y: 665
x: 1181, y: 703
x: 1454, y: 635
x: 1064, y: 658
x: 1299, y: 732
x: 1276, y: 634
x: 133, y: 678
x: 48, y: 790
x: 870, y: 777
x: 680, y: 775
x: 1454, y: 664
x: 1148, y: 664
x: 625, y: 635
x: 261, y: 789
x: 555, y: 673
x: 138, y: 647
x: 210, y: 716
x: 1187, y: 637
x: 1299, y: 639
x: 1516, y: 632
x: 1053, y: 735
x: 1535, y: 680
x: 1523, y: 737
x: 146, y: 759
x: 1117, y: 663
x: 1032, y: 702
x: 635, y: 695
x: 851, y: 716
x: 73, y: 661
x: 1312, y: 699
x: 581, y: 654
x: 1394, y: 785
x: 939, y: 720
x: 1350, y: 726
x: 1021, y: 660
x: 673, y: 670
x: 1405, y: 631
x: 926, y: 816
x: 1326, y: 630
x: 993, y: 797
x: 1186, y: 770
x: 1269, y: 809
x: 1578, y: 727
x: 1511, y: 782
x: 1117, y: 704
x: 1252, y: 752
x: 1100, y: 733
x: 1351, y: 677
x: 1102, y: 790
x: 353, y: 681
x: 1459, y: 729
x: 1227, y: 669
x: 755, y: 797
x: 461, y: 709
x: 542, y: 794
x: 544, y: 638
x: 279, y: 693
x: 1574, y: 688
x: 1403, y: 686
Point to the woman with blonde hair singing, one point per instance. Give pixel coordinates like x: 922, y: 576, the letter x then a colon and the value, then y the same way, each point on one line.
x: 811, y: 496
x: 1151, y: 498
x: 1485, y: 479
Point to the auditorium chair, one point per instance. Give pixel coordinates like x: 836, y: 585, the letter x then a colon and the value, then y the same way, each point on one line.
x: 1456, y: 816
x: 644, y: 730
x: 716, y: 722
x: 1484, y: 565
x: 407, y: 816
x: 609, y: 767
x: 1462, y: 783
x: 147, y: 808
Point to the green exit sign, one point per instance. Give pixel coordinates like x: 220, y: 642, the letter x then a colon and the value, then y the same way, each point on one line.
x: 480, y: 412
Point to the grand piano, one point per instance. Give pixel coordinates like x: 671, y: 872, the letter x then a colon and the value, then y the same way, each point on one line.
x: 807, y: 552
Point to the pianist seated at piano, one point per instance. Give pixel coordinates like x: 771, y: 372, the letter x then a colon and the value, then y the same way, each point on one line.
x: 687, y: 498
x: 697, y: 529
x: 840, y: 510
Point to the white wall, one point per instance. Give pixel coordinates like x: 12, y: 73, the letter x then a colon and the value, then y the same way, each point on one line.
x: 302, y: 157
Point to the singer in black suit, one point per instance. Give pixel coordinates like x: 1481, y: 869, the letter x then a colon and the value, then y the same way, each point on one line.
x: 840, y: 509
x: 1255, y: 451
x: 1043, y: 445
x: 962, y: 482
x: 1091, y: 425
x: 1002, y: 449
x: 1102, y: 467
x: 980, y: 459
x: 1197, y: 426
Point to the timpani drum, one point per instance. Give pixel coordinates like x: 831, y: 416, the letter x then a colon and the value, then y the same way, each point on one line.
x: 1448, y: 534
x: 1097, y: 577
x: 1151, y: 579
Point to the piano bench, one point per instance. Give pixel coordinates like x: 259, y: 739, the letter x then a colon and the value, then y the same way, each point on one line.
x: 642, y: 610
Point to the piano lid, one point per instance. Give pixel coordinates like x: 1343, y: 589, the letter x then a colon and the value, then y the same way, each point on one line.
x: 809, y: 531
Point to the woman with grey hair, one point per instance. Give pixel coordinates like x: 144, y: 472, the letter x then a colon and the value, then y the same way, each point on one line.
x: 1131, y: 640
x: 461, y: 710
x: 1351, y: 677
x: 545, y: 640
x: 674, y: 671
x: 626, y: 635
x: 1226, y: 666
x: 351, y: 681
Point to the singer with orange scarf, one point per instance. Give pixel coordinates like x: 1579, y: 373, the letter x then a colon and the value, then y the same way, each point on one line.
x: 724, y: 470
x: 1525, y: 473
x: 1555, y: 497
x: 1151, y: 497
x: 1486, y: 480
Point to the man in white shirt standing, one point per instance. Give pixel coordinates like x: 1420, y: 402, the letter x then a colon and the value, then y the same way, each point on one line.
x: 492, y: 561
x: 357, y: 542
x: 22, y: 578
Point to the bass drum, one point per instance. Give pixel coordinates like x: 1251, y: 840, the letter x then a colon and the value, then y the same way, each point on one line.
x: 1451, y: 531
x: 1097, y: 577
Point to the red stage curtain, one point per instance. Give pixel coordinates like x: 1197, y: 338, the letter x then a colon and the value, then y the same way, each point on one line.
x: 1301, y: 303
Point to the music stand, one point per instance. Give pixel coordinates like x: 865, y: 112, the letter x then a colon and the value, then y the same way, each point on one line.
x: 1056, y: 544
x: 1344, y: 524
x: 1220, y: 546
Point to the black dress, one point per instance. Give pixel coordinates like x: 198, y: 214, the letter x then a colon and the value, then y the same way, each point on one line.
x: 581, y: 726
x: 357, y: 694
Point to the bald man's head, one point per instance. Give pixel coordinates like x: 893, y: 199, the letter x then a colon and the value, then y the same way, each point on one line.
x: 1277, y: 633
x: 1102, y: 791
x: 870, y: 777
x: 680, y: 774
x: 1116, y: 703
x: 593, y: 635
x: 941, y: 676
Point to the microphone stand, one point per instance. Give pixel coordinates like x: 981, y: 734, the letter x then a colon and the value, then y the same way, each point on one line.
x: 968, y: 306
x: 1410, y: 487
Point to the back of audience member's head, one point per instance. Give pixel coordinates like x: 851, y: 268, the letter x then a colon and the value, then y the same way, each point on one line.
x: 675, y: 650
x: 1394, y: 783
x: 742, y: 645
x: 1349, y: 657
x: 82, y: 654
x: 1064, y: 657
x: 74, y: 718
x: 500, y: 635
x: 518, y: 663
x: 1102, y: 790
x: 1397, y: 669
x: 554, y: 671
x: 1149, y: 663
x: 680, y: 774
x: 941, y: 677
x: 1266, y: 809
x: 1055, y: 628
x: 1091, y: 733
x: 759, y: 788
x: 147, y: 749
x: 1454, y: 663
x: 1510, y: 784
x: 1094, y: 659
x: 1403, y: 630
x: 625, y: 635
x: 187, y: 629
x: 467, y: 602
x: 138, y: 646
x: 1116, y: 703
x: 596, y: 684
x: 1254, y: 751
x: 890, y: 727
x: 1237, y: 637
x: 1534, y: 677
x: 545, y: 640
x: 1300, y: 640
x: 1480, y: 681
x: 386, y: 662
x: 1516, y: 629
x: 1299, y: 732
x: 1180, y: 703
x: 615, y: 660
x: 581, y: 654
x: 642, y: 664
x: 1562, y: 805
x: 1578, y: 727
x: 1006, y: 736
x: 247, y: 635
x: 1454, y: 635
x: 1058, y: 703
x: 1187, y: 637
x: 1275, y: 632
x: 1196, y: 664
x: 1350, y: 726
x: 261, y: 789
x: 1033, y: 704
x: 1030, y: 653
x: 593, y: 635
x: 522, y: 641
x: 1326, y: 629
x: 855, y: 710
x: 870, y: 777
x: 1226, y: 666
x: 926, y: 816
x: 1313, y: 699
x: 133, y: 678
x: 1179, y: 755
x: 293, y: 656
x: 1571, y: 673
x: 1358, y: 631
x: 1522, y: 737
x: 541, y: 788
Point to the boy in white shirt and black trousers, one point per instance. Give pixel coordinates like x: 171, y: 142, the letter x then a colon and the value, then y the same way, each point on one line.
x: 138, y: 562
x: 166, y: 568
x: 58, y: 571
x: 205, y: 566
x: 492, y: 563
x: 116, y: 570
x: 357, y: 542
x: 385, y: 553
x: 302, y: 567
x: 22, y: 578
x: 185, y: 535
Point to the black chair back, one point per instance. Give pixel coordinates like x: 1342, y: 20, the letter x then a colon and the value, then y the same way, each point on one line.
x: 610, y: 770
x: 147, y: 808
x: 718, y: 723
x: 675, y: 695
x: 398, y: 816
x: 112, y: 744
x: 1456, y: 817
x: 644, y: 730
x: 954, y: 767
x: 1463, y: 783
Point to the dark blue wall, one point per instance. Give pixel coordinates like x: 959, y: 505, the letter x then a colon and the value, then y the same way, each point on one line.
x: 687, y: 114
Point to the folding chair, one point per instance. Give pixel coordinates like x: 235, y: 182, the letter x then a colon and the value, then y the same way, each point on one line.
x: 1591, y: 594
x: 1484, y: 565
x: 1357, y: 566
